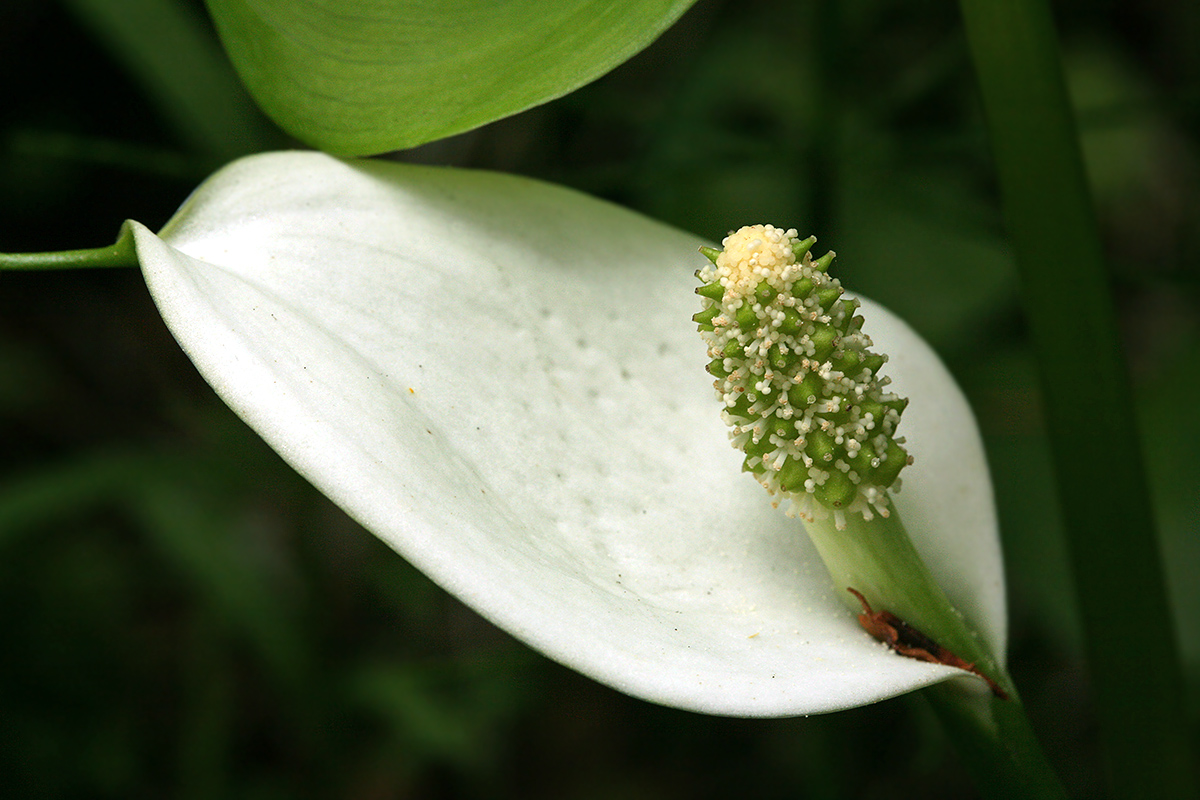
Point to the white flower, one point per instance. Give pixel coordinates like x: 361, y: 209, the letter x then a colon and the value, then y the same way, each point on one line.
x: 501, y: 379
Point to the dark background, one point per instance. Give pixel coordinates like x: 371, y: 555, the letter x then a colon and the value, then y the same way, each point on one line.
x: 181, y: 615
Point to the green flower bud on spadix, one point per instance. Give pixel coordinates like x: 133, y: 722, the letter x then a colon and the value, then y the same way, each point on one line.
x: 803, y: 396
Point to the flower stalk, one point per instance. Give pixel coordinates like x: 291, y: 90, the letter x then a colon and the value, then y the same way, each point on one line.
x: 119, y: 254
x: 805, y: 399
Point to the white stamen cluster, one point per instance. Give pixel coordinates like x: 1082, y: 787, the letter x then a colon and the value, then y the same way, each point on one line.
x: 802, y: 392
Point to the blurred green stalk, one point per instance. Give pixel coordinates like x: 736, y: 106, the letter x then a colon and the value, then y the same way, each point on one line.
x: 1130, y: 641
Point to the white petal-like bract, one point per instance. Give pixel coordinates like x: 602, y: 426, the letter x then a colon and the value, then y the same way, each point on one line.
x: 501, y: 379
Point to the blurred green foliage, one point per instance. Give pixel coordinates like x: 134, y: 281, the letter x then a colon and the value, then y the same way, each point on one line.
x: 181, y: 615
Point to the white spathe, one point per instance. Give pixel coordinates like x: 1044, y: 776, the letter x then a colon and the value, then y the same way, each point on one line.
x: 501, y: 379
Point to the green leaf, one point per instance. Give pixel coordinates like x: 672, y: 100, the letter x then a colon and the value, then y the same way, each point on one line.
x: 362, y: 78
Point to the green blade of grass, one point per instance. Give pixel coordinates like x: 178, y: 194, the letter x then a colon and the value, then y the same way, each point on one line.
x: 1130, y: 646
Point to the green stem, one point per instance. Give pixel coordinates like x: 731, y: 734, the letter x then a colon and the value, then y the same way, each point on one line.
x: 877, y: 558
x: 1128, y: 631
x: 119, y: 254
x: 996, y: 743
x: 993, y: 736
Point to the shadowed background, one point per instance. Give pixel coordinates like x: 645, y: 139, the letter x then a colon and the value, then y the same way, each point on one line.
x: 181, y: 615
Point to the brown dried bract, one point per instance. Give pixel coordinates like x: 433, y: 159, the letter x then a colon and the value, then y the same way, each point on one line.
x: 908, y: 641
